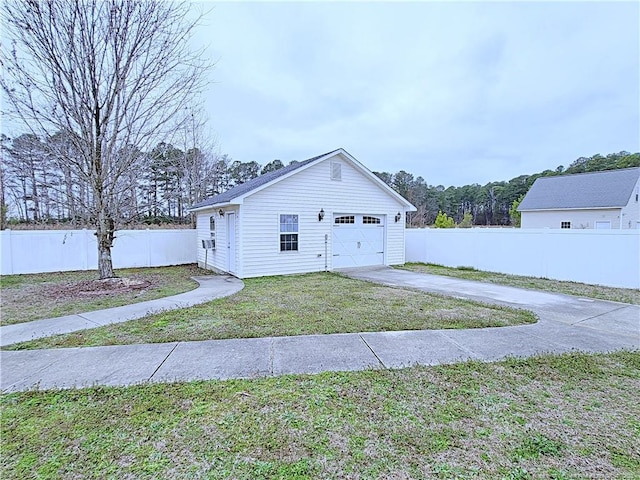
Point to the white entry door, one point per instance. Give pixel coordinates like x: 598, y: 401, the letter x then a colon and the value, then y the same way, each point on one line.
x: 603, y: 225
x: 358, y: 240
x: 231, y: 242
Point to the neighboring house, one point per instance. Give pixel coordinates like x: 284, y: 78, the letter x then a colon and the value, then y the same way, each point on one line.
x: 607, y: 199
x: 320, y: 214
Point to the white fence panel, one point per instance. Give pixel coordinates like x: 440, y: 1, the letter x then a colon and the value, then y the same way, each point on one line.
x: 36, y: 251
x: 601, y: 257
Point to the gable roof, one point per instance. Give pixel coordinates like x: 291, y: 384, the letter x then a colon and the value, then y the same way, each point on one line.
x: 607, y: 189
x: 262, y: 181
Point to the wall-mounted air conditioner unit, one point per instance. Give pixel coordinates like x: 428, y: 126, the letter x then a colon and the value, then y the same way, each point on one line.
x: 209, y: 244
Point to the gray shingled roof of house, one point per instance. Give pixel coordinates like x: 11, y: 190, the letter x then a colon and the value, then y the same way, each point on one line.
x: 254, y: 183
x: 611, y: 188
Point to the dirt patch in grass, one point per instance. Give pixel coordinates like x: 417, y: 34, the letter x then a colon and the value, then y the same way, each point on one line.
x: 572, y: 416
x: 32, y: 297
x: 95, y: 288
x: 316, y: 303
x: 624, y: 295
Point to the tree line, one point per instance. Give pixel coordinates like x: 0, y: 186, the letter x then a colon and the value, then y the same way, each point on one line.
x: 37, y: 188
x: 38, y: 185
x: 490, y: 204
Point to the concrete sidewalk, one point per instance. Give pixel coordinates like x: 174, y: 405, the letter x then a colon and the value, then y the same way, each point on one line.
x: 210, y: 288
x: 566, y: 323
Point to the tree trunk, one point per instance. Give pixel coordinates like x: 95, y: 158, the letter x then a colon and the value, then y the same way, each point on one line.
x: 105, y: 234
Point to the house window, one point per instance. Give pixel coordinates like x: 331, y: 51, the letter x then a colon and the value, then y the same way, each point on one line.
x: 212, y: 227
x: 345, y: 219
x: 336, y: 171
x: 367, y: 220
x: 288, y: 233
x: 565, y: 224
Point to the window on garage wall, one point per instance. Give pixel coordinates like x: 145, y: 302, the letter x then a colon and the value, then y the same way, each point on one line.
x: 345, y: 219
x: 212, y: 227
x: 288, y: 233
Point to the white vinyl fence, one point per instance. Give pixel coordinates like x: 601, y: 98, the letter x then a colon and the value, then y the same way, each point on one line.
x: 604, y: 257
x: 36, y: 251
x: 601, y: 257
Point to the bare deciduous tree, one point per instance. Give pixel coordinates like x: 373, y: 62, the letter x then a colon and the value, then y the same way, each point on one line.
x: 111, y: 76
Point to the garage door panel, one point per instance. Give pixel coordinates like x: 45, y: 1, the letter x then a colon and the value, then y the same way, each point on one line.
x: 360, y: 243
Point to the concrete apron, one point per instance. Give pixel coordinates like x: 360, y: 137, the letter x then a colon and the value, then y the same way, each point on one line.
x: 566, y: 324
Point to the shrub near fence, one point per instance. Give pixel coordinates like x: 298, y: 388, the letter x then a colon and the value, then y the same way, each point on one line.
x: 36, y: 251
x: 601, y: 257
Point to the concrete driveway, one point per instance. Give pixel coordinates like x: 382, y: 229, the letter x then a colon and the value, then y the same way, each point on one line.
x: 566, y: 324
x: 611, y: 318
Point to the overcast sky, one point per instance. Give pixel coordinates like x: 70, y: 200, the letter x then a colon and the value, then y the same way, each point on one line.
x: 457, y: 93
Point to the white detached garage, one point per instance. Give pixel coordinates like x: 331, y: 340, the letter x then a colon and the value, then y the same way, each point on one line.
x: 324, y: 213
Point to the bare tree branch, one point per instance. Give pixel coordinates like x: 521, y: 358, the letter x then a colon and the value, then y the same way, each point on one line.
x: 109, y: 75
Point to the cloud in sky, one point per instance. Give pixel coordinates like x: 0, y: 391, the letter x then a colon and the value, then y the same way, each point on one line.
x: 454, y: 92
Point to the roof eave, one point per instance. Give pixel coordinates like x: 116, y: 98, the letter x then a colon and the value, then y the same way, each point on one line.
x: 612, y: 207
x: 214, y: 205
x: 238, y: 200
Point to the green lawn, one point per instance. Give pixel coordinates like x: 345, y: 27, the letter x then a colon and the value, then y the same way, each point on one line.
x: 32, y: 297
x: 624, y: 295
x: 314, y: 303
x: 573, y: 416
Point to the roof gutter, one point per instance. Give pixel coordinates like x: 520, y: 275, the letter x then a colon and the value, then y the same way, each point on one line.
x: 569, y: 208
x: 213, y: 205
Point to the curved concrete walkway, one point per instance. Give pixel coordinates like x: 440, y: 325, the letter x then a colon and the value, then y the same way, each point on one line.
x: 566, y: 323
x: 210, y: 288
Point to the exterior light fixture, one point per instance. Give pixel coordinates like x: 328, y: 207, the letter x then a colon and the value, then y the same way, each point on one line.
x: 321, y: 214
x: 221, y: 212
x: 398, y: 217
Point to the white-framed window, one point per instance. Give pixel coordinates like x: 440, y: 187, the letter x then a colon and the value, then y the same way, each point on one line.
x: 288, y: 232
x: 212, y: 232
x: 565, y: 224
x: 603, y: 224
x: 368, y: 220
x: 345, y: 219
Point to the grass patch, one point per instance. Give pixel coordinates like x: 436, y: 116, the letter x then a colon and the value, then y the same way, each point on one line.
x: 316, y: 303
x: 624, y: 295
x: 22, y: 295
x: 513, y: 419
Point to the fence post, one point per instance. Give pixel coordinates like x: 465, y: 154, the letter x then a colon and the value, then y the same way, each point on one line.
x: 85, y: 245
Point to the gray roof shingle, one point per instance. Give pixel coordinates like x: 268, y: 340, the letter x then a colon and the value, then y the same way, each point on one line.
x: 606, y: 189
x: 254, y: 183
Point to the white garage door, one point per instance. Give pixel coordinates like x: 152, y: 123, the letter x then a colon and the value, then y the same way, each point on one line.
x: 358, y: 240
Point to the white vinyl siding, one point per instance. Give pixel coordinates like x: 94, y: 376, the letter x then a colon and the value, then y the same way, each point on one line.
x: 306, y: 193
x: 216, y: 259
x: 631, y: 213
x: 579, y: 219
